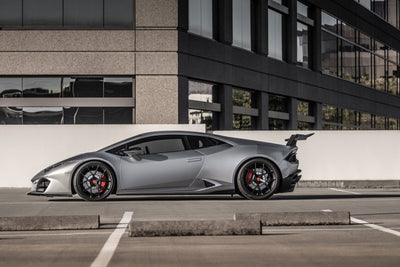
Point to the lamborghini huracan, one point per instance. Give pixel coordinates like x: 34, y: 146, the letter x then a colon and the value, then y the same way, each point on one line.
x: 175, y: 162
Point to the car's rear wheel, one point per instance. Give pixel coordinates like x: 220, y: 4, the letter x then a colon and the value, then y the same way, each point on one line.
x: 258, y: 179
x: 94, y: 181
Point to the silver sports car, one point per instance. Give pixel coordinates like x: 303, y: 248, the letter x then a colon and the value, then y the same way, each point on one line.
x: 175, y: 162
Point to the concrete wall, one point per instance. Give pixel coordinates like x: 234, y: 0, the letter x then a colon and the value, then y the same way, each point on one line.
x: 25, y: 150
x: 340, y: 155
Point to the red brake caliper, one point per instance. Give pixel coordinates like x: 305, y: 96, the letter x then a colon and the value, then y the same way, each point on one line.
x: 102, y: 184
x: 249, y: 175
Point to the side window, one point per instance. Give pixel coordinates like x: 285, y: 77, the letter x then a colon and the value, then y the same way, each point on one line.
x: 158, y: 145
x: 198, y: 142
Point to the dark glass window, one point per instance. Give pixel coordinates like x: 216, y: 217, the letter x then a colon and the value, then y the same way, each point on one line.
x: 278, y: 103
x: 118, y: 13
x: 197, y: 116
x: 10, y: 13
x: 42, y: 115
x: 201, y: 17
x: 118, y: 115
x: 242, y: 122
x: 155, y: 145
x: 86, y: 115
x: 10, y: 87
x: 41, y: 87
x: 88, y: 13
x: 348, y: 61
x: 10, y: 115
x: 201, y: 91
x: 330, y: 114
x: 277, y: 124
x: 118, y: 87
x: 303, y: 45
x: 243, y: 98
x: 305, y: 108
x: 197, y: 142
x: 330, y: 54
x: 302, y: 9
x: 42, y: 13
x: 275, y: 34
x: 88, y: 87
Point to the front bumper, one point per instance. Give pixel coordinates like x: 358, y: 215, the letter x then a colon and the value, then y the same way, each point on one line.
x: 289, y: 183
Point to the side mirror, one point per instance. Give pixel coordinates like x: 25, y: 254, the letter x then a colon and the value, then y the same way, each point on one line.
x: 134, y: 153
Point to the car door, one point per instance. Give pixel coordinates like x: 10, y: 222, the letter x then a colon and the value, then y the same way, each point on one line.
x: 165, y: 163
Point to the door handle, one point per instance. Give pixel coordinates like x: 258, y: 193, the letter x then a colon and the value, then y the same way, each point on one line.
x: 194, y: 160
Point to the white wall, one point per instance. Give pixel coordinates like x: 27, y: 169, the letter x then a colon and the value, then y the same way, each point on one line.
x: 340, y: 155
x: 328, y: 155
x: 27, y: 149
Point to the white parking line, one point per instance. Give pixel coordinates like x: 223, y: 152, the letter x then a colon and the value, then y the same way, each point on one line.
x: 344, y: 191
x: 376, y: 227
x: 111, y: 244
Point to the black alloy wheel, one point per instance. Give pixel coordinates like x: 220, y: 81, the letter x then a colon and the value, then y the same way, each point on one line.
x: 94, y: 181
x: 258, y: 179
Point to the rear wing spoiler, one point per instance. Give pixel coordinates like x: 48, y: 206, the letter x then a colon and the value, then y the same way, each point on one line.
x: 292, y: 141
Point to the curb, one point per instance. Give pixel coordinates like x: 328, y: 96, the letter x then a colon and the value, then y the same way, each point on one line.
x: 192, y: 228
x: 242, y: 224
x: 32, y: 223
x: 297, y: 218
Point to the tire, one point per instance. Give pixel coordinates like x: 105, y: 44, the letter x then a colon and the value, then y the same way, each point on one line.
x: 94, y: 181
x: 258, y: 179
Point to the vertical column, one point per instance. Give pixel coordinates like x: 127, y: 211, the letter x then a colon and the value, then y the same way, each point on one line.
x: 183, y: 100
x: 259, y: 26
x: 226, y: 115
x: 293, y: 121
x: 291, y: 33
x: 318, y: 116
x: 316, y: 40
x: 262, y: 104
x: 222, y: 21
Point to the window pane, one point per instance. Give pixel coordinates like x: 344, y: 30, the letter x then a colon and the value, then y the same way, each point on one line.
x: 118, y: 115
x: 41, y: 87
x: 10, y: 115
x: 330, y: 114
x: 118, y: 87
x: 201, y: 117
x: 329, y: 54
x: 348, y: 61
x: 43, y: 115
x: 10, y: 13
x: 275, y: 34
x: 392, y: 78
x: 88, y: 87
x: 366, y: 3
x: 348, y: 32
x: 302, y: 45
x: 379, y: 123
x: 10, y: 87
x: 276, y: 124
x: 302, y: 9
x: 365, y: 68
x: 242, y: 122
x: 379, y: 7
x: 241, y: 24
x: 200, y: 17
x: 118, y: 13
x: 201, y: 91
x: 85, y: 115
x: 43, y: 13
x: 380, y: 73
x: 161, y: 146
x: 304, y: 126
x: 365, y: 121
x: 329, y: 22
x: 278, y: 103
x: 349, y: 117
x: 88, y: 13
x: 243, y: 98
x: 304, y: 108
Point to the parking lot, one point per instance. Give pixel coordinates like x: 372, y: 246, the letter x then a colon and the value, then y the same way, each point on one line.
x: 373, y: 241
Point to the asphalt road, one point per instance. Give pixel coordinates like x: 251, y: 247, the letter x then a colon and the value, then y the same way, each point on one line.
x: 373, y: 244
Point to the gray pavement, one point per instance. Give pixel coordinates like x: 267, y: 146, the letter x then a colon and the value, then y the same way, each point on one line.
x: 351, y: 245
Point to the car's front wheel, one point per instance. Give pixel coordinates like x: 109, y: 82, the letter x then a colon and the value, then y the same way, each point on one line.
x: 94, y: 181
x: 258, y: 179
